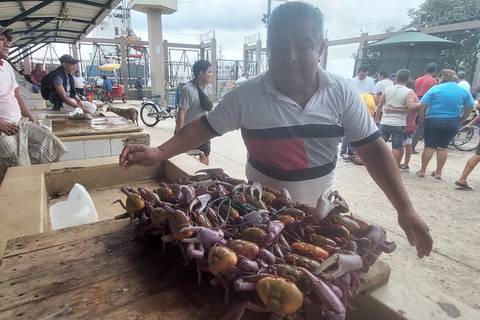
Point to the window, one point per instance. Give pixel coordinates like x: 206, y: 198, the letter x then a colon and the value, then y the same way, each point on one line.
x: 117, y: 32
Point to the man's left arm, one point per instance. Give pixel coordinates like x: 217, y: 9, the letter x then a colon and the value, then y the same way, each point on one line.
x: 384, y: 171
x: 364, y: 136
x: 23, y: 107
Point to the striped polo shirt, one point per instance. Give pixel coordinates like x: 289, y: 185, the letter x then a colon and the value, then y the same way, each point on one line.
x: 290, y: 146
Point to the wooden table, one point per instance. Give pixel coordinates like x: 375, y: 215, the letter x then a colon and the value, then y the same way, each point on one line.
x: 98, y: 271
x: 100, y: 125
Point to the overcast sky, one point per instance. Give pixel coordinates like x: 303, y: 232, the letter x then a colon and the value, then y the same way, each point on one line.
x: 233, y: 20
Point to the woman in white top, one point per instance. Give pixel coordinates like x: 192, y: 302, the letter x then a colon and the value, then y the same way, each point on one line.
x: 398, y: 100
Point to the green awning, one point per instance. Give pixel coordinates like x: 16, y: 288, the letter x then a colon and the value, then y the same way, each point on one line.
x: 409, y: 38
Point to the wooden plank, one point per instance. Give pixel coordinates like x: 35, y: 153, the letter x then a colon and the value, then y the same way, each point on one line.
x: 103, y: 125
x: 63, y: 236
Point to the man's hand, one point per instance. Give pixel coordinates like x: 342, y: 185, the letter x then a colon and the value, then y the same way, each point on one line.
x: 9, y: 129
x: 417, y: 232
x: 139, y: 154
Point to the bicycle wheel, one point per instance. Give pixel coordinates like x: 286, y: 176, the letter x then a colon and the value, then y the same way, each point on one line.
x: 149, y: 114
x: 466, y: 139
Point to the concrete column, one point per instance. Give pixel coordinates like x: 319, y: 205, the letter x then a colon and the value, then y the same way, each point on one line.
x: 156, y: 50
x: 74, y: 50
x: 123, y: 63
x: 168, y: 72
x: 258, y: 56
x: 213, y: 59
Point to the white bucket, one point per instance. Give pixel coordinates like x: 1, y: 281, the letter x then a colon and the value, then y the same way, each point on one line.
x: 76, y: 210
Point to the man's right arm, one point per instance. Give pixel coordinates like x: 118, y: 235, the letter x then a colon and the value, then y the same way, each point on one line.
x: 70, y: 101
x: 180, y: 118
x: 189, y: 137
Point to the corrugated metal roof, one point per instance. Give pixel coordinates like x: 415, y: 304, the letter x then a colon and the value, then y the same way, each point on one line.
x: 36, y: 22
x: 414, y: 37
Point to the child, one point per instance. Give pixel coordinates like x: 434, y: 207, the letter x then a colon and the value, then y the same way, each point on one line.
x: 409, y: 131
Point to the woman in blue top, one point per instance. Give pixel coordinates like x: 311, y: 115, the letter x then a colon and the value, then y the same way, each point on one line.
x: 447, y: 106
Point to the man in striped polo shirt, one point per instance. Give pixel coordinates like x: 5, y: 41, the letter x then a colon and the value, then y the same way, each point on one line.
x: 292, y: 118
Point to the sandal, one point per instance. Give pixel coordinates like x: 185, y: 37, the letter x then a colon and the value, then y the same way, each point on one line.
x: 420, y: 174
x: 463, y: 186
x: 434, y: 175
x: 404, y: 167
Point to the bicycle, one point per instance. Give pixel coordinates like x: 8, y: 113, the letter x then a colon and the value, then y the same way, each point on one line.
x: 467, y: 138
x: 154, y: 109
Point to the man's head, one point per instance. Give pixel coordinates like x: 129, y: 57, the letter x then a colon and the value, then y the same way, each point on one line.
x: 461, y: 75
x: 39, y: 66
x: 104, y: 77
x: 246, y: 75
x: 68, y: 63
x: 296, y: 42
x: 447, y: 75
x: 362, y: 72
x: 383, y: 74
x: 431, y: 68
x: 5, y: 42
x: 202, y: 71
x: 403, y: 76
x: 77, y: 73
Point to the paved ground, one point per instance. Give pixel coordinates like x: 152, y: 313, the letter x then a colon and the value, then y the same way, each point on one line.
x: 453, y: 215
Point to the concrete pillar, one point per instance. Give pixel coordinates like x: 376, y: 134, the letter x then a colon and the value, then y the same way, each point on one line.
x: 168, y: 72
x: 74, y: 50
x: 258, y: 57
x: 123, y: 63
x: 213, y: 59
x: 156, y: 50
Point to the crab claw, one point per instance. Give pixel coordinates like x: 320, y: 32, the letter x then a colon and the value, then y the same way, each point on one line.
x: 186, y: 194
x: 207, y: 237
x: 256, y: 186
x: 329, y: 201
x: 195, y: 250
x: 202, y: 200
x: 345, y: 262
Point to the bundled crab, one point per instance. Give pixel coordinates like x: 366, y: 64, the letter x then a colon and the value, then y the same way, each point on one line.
x: 290, y: 259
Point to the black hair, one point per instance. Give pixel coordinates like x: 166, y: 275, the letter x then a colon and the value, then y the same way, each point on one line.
x: 431, y: 68
x: 104, y: 77
x: 461, y: 75
x: 200, y: 65
x: 384, y: 74
x: 403, y: 75
x: 295, y: 11
x: 363, y: 68
x: 410, y: 84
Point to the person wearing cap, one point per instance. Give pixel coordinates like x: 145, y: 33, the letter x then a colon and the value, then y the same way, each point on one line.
x: 22, y: 140
x: 62, y: 88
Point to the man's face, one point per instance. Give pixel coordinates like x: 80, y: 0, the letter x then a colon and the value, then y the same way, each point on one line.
x: 362, y: 74
x: 69, y: 67
x: 294, y: 56
x: 207, y: 76
x: 5, y: 45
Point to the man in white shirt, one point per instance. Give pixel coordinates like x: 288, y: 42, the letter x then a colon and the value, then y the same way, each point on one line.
x: 22, y: 141
x: 79, y: 82
x: 362, y: 82
x: 462, y: 81
x: 292, y: 118
x: 383, y: 83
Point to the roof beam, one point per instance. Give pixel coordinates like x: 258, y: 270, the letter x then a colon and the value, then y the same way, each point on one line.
x: 34, y: 28
x: 39, y: 36
x: 49, y: 30
x: 94, y: 21
x: 107, y: 5
x: 57, y: 18
x: 29, y: 53
x: 26, y: 13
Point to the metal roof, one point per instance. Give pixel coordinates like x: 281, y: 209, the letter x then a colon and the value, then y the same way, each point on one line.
x: 414, y: 38
x: 48, y: 21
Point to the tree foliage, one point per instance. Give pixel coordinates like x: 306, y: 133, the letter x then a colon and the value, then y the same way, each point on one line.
x: 442, y: 12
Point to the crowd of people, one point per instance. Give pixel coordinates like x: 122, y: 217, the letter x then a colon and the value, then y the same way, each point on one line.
x: 433, y: 107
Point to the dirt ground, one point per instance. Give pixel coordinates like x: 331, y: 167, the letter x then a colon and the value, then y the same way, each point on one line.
x: 452, y: 215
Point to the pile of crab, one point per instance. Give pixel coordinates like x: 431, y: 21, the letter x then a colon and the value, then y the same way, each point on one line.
x: 290, y: 259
